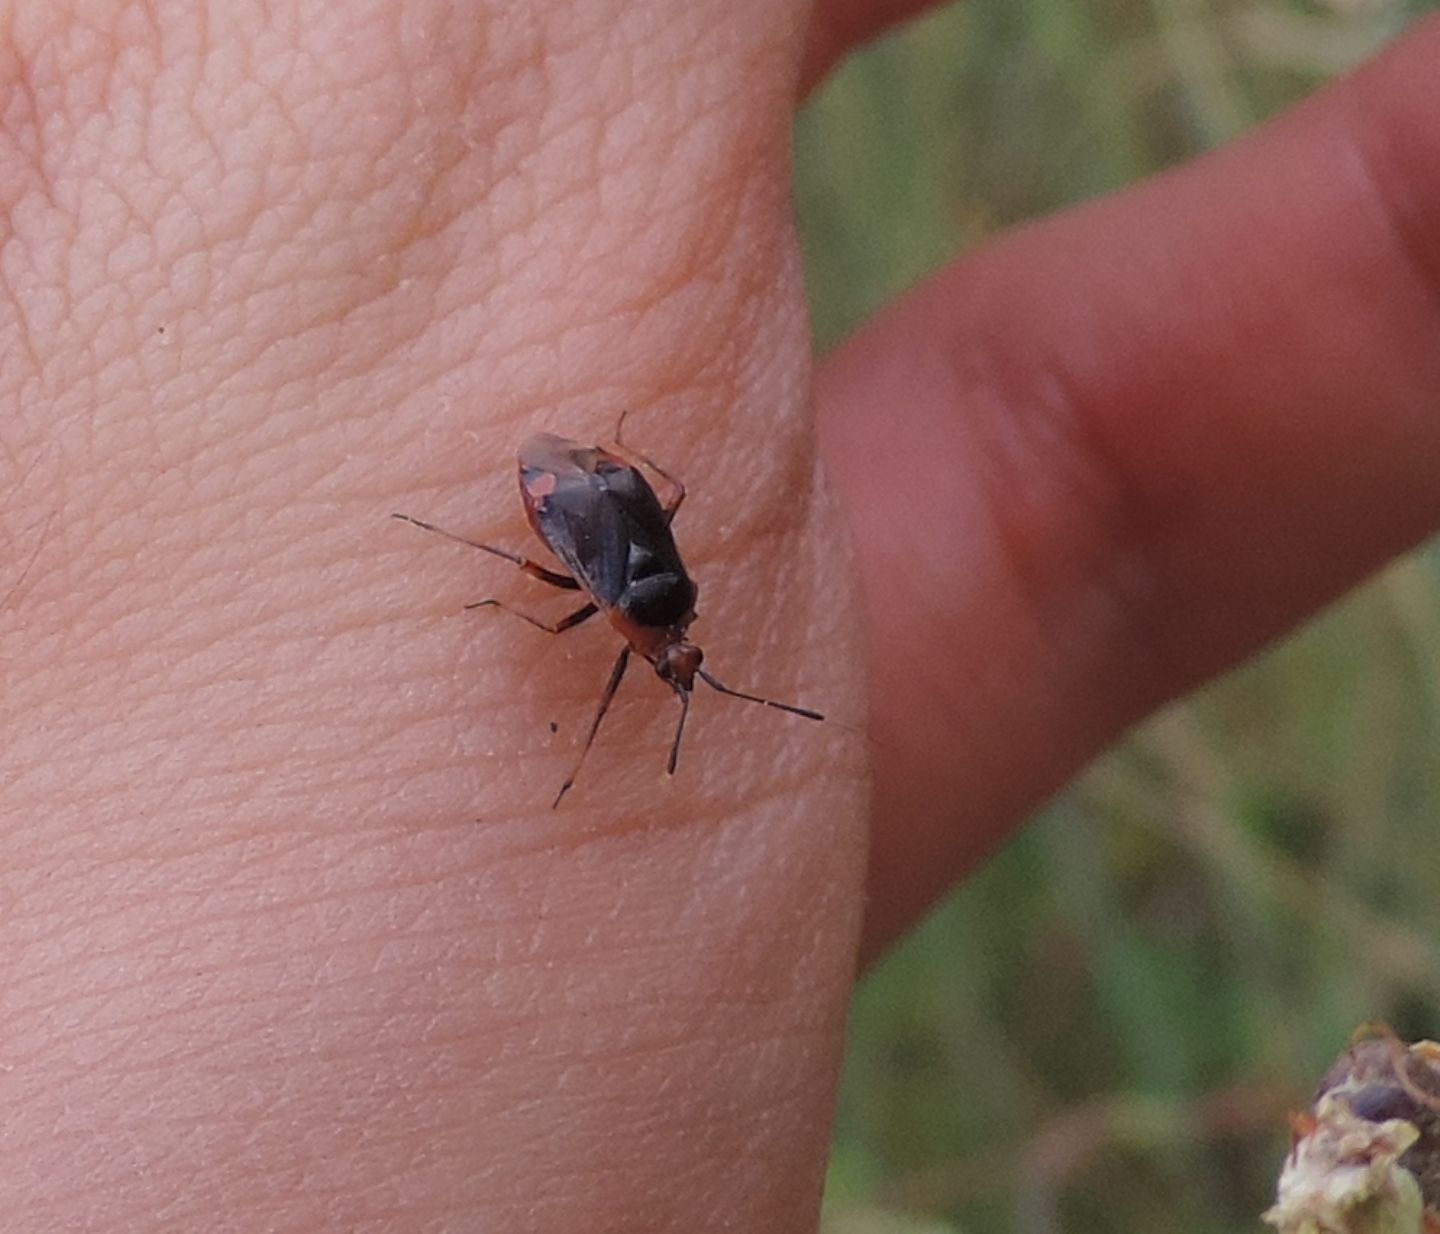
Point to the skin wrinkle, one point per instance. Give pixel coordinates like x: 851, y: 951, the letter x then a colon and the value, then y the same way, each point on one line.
x: 311, y: 901
x: 1074, y: 526
x: 20, y: 151
x: 134, y: 1047
x: 167, y: 868
x: 1387, y: 146
x: 157, y: 1052
x: 251, y: 360
x: 135, y: 877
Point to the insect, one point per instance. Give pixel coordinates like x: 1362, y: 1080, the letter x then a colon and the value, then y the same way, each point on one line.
x: 595, y: 510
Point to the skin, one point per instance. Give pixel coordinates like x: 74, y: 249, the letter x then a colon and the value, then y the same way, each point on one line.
x: 289, y: 931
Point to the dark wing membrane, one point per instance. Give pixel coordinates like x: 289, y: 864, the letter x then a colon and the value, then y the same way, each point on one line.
x: 598, y: 515
x: 583, y: 527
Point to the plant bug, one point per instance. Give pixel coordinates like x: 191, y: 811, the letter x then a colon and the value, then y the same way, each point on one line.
x: 595, y: 510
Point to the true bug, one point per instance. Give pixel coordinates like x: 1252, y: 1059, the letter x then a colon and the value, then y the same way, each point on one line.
x: 595, y: 510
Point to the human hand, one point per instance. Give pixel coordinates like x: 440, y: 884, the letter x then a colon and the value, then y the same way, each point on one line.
x: 292, y: 935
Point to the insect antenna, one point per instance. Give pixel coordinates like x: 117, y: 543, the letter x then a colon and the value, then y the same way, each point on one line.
x: 679, y: 731
x: 755, y: 698
x: 610, y: 687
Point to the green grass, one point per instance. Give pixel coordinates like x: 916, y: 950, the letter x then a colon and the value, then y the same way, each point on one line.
x: 1103, y: 1029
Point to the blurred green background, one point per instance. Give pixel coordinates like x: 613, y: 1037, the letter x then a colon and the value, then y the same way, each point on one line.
x: 1103, y: 1030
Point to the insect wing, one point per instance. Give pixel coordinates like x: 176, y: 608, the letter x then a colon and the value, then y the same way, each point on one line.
x: 597, y: 513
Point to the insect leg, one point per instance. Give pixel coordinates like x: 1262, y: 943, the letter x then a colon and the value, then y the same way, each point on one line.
x: 583, y: 613
x: 533, y: 568
x: 610, y: 687
x: 755, y: 698
x: 674, y: 492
